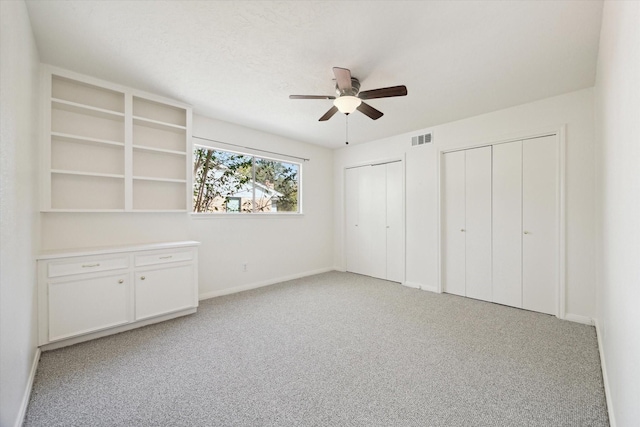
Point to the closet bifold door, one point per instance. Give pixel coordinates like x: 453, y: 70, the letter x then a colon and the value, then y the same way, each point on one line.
x: 373, y: 217
x: 395, y: 243
x: 453, y: 219
x: 352, y: 225
x: 540, y: 224
x: 478, y: 223
x: 507, y: 224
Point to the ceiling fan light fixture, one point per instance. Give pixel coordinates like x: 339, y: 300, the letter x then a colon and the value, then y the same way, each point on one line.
x: 347, y: 104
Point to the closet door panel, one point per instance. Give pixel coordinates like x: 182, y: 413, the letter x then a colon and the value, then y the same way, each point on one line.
x: 507, y: 224
x: 394, y: 230
x: 365, y: 222
x: 540, y: 224
x: 453, y: 219
x: 377, y: 223
x: 478, y: 223
x: 351, y: 220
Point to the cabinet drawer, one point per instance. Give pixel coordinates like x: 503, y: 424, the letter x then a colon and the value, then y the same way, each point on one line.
x: 86, y: 265
x: 163, y: 257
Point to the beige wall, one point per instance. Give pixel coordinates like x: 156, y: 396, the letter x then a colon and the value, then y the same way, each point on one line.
x: 618, y: 184
x: 18, y: 208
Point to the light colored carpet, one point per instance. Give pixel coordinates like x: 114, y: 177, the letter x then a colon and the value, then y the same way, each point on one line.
x: 336, y: 349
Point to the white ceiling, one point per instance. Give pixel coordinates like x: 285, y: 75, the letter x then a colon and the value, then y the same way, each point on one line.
x: 239, y: 61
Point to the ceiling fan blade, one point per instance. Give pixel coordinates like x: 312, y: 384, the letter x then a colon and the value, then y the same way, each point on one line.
x: 343, y: 78
x: 369, y: 111
x: 311, y: 97
x: 329, y: 114
x: 386, y: 92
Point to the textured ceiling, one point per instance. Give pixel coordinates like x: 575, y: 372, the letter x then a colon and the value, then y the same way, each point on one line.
x: 239, y: 61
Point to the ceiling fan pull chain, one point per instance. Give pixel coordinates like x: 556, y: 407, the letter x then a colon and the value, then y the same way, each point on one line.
x: 347, y: 136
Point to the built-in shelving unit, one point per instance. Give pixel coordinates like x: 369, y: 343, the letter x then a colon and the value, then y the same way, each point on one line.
x: 108, y: 148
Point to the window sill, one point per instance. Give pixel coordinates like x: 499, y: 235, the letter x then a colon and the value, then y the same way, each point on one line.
x: 200, y: 215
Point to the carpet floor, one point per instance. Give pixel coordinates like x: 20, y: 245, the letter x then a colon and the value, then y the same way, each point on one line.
x: 335, y: 349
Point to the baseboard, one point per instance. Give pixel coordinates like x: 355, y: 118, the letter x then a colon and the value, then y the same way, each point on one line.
x: 421, y: 286
x: 605, y: 377
x: 255, y: 285
x: 578, y: 319
x: 27, y: 392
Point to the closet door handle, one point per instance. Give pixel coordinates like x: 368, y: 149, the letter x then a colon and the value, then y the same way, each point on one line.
x: 142, y: 277
x: 526, y: 232
x: 462, y: 229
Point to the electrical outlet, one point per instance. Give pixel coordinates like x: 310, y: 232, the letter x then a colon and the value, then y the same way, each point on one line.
x: 245, y: 267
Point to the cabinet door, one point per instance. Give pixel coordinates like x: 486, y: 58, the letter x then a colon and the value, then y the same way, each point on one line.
x: 507, y: 224
x: 478, y: 223
x: 164, y: 290
x: 395, y: 229
x: 540, y: 224
x: 453, y: 218
x: 352, y: 220
x: 81, y: 306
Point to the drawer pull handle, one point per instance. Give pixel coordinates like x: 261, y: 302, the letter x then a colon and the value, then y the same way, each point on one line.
x: 90, y: 265
x: 142, y: 277
x: 121, y: 281
x: 166, y: 257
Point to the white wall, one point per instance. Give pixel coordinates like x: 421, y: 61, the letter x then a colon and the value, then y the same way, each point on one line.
x: 18, y: 208
x: 618, y: 182
x: 275, y: 247
x: 574, y: 109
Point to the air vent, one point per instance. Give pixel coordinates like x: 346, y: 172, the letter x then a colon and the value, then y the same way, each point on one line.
x: 421, y: 139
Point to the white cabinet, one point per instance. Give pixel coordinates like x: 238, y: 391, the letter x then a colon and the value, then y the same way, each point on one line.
x: 87, y: 294
x: 85, y: 305
x: 111, y: 148
x: 501, y: 224
x: 467, y: 223
x: 374, y: 220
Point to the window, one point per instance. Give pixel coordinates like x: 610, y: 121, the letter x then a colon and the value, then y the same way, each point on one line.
x: 224, y: 181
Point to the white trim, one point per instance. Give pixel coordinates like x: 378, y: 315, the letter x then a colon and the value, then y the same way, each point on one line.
x: 422, y: 287
x: 27, y: 391
x: 263, y: 283
x: 578, y: 318
x: 605, y: 377
x: 115, y: 330
x: 414, y: 285
x: 560, y: 132
x: 562, y: 249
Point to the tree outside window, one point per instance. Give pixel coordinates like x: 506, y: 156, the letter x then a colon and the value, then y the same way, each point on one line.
x: 225, y: 181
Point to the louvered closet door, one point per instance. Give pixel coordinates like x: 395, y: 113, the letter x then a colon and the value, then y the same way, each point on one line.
x: 507, y: 224
x: 540, y: 224
x: 354, y: 262
x: 453, y: 218
x: 395, y: 229
x: 478, y: 223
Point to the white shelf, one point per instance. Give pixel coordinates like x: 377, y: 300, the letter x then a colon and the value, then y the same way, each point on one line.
x: 107, y: 148
x: 159, y: 150
x: 84, y: 139
x: 142, y: 121
x: 75, y: 107
x: 150, y: 178
x: 100, y: 175
x: 84, y: 210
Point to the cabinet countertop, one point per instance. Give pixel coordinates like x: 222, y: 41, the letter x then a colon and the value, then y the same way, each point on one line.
x: 74, y: 252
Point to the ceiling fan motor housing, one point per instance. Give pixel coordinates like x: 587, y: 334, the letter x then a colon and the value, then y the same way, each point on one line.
x: 355, y: 88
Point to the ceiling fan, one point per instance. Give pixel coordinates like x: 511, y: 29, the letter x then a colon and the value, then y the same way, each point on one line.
x: 350, y: 98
